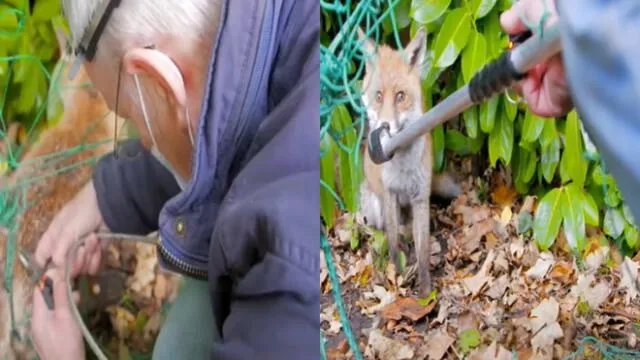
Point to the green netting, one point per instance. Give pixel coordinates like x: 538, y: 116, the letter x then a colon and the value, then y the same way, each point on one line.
x: 30, y: 90
x: 342, y: 126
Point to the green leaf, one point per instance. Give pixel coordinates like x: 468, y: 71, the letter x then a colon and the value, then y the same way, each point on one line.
x: 469, y: 339
x: 426, y: 11
x: 488, y: 113
x: 525, y: 222
x: 510, y: 109
x: 548, y: 218
x: 401, y: 14
x: 573, y: 213
x: 349, y: 171
x: 613, y: 194
x: 474, y: 55
x: 628, y: 214
x: 613, y: 223
x: 576, y: 164
x: 591, y: 212
x: 524, y: 165
x: 451, y: 38
x: 380, y: 245
x: 501, y: 141
x: 470, y: 118
x: 45, y: 10
x: 437, y: 138
x: 8, y: 21
x: 429, y: 299
x: 549, y: 159
x: 631, y: 236
x: 532, y: 128
x: 496, y: 41
x: 327, y: 175
x: 482, y: 7
x: 462, y: 145
x: 549, y: 133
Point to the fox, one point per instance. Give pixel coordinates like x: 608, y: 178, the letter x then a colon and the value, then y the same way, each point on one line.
x: 86, y: 119
x: 392, y: 94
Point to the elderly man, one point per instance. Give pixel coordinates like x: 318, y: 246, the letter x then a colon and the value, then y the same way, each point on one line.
x: 225, y: 95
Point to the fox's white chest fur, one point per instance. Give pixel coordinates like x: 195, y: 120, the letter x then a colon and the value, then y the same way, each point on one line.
x: 405, y: 176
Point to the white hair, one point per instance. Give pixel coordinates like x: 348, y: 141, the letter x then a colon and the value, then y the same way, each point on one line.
x: 142, y: 20
x: 191, y: 24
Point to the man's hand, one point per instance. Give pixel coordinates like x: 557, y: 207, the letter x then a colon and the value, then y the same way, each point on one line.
x: 81, y: 216
x: 545, y: 88
x: 55, y: 333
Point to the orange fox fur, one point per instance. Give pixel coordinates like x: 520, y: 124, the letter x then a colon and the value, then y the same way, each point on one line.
x: 392, y: 93
x: 86, y: 119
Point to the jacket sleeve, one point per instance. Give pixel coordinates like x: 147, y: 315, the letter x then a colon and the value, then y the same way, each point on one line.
x: 601, y: 62
x: 132, y: 189
x: 274, y: 306
x: 266, y: 242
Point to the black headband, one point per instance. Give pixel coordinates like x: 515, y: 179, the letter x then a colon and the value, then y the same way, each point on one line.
x: 89, y: 42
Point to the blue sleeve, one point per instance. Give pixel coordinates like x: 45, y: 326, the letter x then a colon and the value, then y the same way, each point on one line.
x: 132, y: 189
x: 601, y: 52
x: 266, y: 241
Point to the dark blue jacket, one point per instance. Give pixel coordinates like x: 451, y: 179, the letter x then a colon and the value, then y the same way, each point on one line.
x: 248, y: 220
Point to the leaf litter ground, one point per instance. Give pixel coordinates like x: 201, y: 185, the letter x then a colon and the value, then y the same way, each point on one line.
x: 129, y: 329
x: 496, y: 292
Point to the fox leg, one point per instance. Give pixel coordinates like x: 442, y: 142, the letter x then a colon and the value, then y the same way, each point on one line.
x: 422, y: 240
x: 371, y: 207
x: 392, y: 226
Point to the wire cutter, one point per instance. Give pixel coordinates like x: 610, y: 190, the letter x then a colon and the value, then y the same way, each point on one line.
x: 37, y: 274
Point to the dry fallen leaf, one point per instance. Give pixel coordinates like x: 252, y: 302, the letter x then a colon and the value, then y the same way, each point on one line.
x: 382, y: 347
x: 562, y: 272
x: 629, y: 279
x: 474, y: 234
x: 123, y: 321
x: 528, y: 204
x: 544, y: 324
x: 492, y: 352
x: 497, y: 290
x: 472, y: 215
x: 503, y: 195
x: 506, y: 215
x: 542, y: 266
x: 380, y: 293
x: 475, y: 283
x: 437, y: 345
x: 407, y: 307
x: 595, y: 254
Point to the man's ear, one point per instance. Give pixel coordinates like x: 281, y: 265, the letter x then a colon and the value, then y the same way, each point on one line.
x: 368, y: 46
x: 159, y: 67
x: 416, y: 50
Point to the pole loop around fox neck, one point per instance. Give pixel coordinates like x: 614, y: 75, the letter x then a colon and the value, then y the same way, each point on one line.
x: 490, y: 81
x: 93, y: 344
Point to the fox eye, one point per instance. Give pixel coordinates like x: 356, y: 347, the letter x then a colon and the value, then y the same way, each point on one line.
x: 400, y: 96
x: 379, y: 97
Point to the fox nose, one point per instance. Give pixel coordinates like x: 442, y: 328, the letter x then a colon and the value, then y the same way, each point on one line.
x: 392, y: 125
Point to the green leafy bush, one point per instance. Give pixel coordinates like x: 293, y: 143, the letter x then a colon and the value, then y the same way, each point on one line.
x: 551, y: 158
x: 28, y: 55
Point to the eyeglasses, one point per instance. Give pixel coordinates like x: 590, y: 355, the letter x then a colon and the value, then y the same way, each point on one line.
x: 86, y: 49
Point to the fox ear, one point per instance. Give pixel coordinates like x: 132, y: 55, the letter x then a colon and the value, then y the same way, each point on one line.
x: 368, y: 46
x: 416, y: 50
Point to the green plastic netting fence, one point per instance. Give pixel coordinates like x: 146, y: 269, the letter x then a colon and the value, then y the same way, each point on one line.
x: 342, y: 124
x: 30, y: 100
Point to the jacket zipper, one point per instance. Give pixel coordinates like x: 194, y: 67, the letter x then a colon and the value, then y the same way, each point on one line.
x: 180, y: 266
